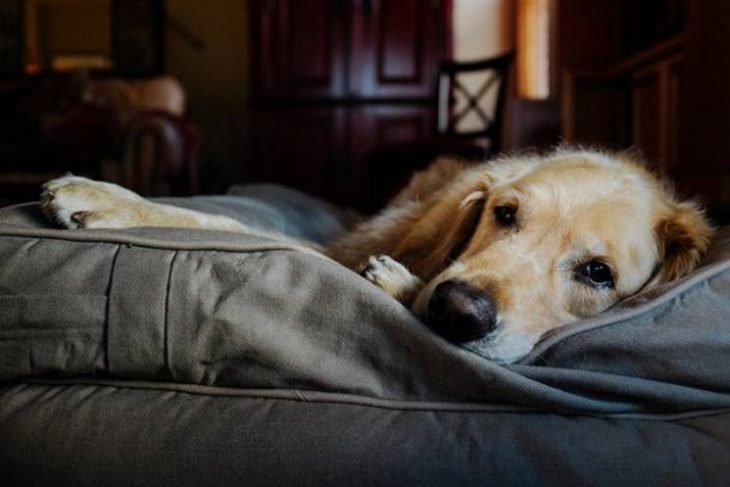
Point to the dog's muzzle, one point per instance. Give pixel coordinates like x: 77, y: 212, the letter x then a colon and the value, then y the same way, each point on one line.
x: 461, y: 312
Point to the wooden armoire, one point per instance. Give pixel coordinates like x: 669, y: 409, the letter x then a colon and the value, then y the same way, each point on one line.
x: 653, y: 75
x: 334, y: 79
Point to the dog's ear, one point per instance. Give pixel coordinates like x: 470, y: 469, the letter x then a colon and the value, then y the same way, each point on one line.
x: 683, y: 237
x: 443, y: 230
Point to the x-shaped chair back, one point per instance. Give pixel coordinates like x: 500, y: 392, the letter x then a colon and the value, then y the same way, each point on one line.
x: 470, y: 99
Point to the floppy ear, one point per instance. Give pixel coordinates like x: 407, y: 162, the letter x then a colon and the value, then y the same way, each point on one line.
x: 441, y: 232
x: 683, y: 237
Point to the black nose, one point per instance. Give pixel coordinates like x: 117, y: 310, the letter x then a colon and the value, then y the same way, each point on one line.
x: 461, y: 312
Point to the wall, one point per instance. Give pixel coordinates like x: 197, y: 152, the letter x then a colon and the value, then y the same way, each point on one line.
x: 482, y: 28
x: 216, y: 80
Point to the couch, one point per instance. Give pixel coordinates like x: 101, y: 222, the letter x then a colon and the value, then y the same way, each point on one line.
x: 102, y: 128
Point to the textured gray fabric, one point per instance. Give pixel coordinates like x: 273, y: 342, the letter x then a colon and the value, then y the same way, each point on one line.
x: 93, y: 435
x: 351, y: 387
x: 243, y: 311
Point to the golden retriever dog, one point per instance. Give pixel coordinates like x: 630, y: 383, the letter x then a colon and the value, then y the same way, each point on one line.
x: 491, y: 256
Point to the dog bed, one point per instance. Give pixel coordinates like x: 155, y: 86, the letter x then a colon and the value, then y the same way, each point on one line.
x: 178, y: 357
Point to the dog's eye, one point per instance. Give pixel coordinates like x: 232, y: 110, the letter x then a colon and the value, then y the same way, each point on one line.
x: 596, y: 273
x: 505, y: 215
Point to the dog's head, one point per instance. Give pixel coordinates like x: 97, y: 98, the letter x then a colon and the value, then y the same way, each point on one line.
x: 518, y: 247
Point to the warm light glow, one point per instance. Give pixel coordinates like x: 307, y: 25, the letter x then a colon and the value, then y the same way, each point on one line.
x: 32, y: 51
x: 533, y: 49
x: 78, y: 62
x: 32, y: 69
x: 65, y: 35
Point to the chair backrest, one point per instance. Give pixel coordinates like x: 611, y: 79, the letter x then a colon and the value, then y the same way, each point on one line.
x: 470, y: 99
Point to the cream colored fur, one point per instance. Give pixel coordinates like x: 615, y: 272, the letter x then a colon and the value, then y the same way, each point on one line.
x: 571, y: 207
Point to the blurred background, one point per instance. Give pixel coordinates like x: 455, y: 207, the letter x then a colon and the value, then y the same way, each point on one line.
x: 344, y: 99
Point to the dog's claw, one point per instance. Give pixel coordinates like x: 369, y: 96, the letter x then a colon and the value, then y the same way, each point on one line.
x: 76, y: 202
x: 389, y: 275
x: 81, y: 217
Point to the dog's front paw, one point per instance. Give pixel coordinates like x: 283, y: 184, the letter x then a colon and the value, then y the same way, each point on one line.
x: 392, y: 277
x: 77, y: 202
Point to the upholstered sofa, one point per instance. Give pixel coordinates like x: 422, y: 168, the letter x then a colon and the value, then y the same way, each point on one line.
x: 102, y: 128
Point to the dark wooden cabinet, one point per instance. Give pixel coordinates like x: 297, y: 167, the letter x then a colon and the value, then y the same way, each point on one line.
x: 652, y: 75
x: 634, y: 103
x: 299, y: 48
x: 334, y: 79
x: 300, y: 147
x: 377, y: 126
x: 396, y: 47
x: 341, y: 49
x: 655, y: 95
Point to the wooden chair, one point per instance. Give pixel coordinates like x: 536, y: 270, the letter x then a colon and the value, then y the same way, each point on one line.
x: 470, y: 100
x: 52, y: 125
x: 469, y: 112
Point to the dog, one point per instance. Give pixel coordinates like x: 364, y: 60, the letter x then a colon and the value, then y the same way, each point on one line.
x: 490, y: 256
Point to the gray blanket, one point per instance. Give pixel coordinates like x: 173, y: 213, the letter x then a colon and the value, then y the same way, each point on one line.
x: 223, y: 320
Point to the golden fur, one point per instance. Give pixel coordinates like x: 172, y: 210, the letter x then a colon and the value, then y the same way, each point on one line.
x: 571, y: 207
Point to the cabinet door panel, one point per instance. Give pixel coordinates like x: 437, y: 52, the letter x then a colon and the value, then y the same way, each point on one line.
x: 647, y: 103
x: 655, y: 95
x: 299, y: 147
x: 298, y: 48
x: 396, y: 47
x: 384, y: 141
x: 264, y: 39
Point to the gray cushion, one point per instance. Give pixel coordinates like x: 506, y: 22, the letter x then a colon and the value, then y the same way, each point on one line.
x: 174, y: 357
x: 226, y: 309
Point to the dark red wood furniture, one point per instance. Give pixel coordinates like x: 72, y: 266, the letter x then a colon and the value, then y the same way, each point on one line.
x: 48, y: 129
x: 469, y: 107
x: 335, y: 79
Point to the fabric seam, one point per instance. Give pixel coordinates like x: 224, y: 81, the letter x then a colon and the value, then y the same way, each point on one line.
x: 297, y: 395
x: 107, y: 312
x: 166, y: 327
x: 625, y: 315
x: 91, y: 236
